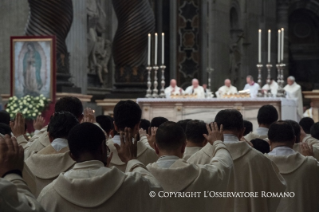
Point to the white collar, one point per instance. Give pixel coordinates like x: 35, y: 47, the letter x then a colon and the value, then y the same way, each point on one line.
x: 59, y: 143
x: 262, y: 131
x: 282, y: 151
x: 229, y: 138
x: 166, y: 161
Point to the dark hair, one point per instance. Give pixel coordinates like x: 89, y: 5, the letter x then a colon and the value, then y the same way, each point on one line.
x: 261, y: 145
x: 145, y: 124
x: 170, y: 136
x: 314, y: 131
x: 157, y: 121
x: 85, y: 137
x: 4, y: 117
x: 127, y: 114
x: 195, y: 130
x: 230, y: 119
x: 5, y: 129
x: 306, y: 124
x: 296, y: 128
x: 105, y: 122
x: 281, y: 131
x: 248, y: 127
x: 69, y: 104
x: 61, y: 124
x: 267, y: 115
x: 183, y: 123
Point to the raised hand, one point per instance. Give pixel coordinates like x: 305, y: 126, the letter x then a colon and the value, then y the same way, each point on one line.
x: 214, y: 133
x: 142, y: 132
x: 89, y: 116
x: 18, y: 125
x: 11, y: 155
x: 127, y: 150
x: 151, y: 137
x: 306, y: 150
x: 38, y: 123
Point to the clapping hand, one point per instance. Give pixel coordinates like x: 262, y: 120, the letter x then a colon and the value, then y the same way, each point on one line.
x: 18, y: 125
x: 214, y: 133
x: 128, y: 149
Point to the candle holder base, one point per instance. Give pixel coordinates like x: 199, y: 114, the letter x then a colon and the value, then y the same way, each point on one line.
x: 260, y: 93
x: 149, y: 84
x: 162, y: 95
x: 155, y: 90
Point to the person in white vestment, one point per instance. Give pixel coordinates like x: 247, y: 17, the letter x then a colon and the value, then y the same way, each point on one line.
x: 173, y: 89
x: 226, y: 89
x: 308, y: 112
x: 252, y: 86
x: 273, y: 87
x: 293, y: 91
x: 195, y: 88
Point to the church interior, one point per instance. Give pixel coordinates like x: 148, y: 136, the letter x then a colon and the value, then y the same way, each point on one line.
x: 182, y: 92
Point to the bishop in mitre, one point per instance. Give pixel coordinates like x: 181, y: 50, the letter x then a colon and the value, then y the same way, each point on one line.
x: 293, y: 91
x: 226, y: 89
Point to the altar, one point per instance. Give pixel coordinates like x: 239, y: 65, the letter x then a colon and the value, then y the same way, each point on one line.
x: 206, y: 109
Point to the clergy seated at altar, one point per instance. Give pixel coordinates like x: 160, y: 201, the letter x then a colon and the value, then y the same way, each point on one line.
x: 195, y: 140
x: 273, y: 87
x: 267, y: 115
x: 253, y: 171
x: 293, y: 91
x: 92, y: 186
x: 226, y: 89
x: 300, y: 172
x: 176, y: 175
x: 252, y: 86
x: 196, y: 89
x: 173, y: 89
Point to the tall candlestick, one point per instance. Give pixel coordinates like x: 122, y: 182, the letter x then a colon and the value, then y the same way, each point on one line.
x: 149, y: 50
x: 163, y: 44
x: 156, y: 42
x: 259, y: 46
x: 282, y: 43
x: 269, y: 45
x: 279, y: 45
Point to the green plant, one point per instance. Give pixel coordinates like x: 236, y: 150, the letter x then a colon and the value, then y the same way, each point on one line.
x: 29, y: 106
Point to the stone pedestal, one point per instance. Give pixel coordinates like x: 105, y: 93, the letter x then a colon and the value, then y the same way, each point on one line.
x: 314, y: 97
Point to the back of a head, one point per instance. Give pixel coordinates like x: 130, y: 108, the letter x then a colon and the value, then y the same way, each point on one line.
x: 261, y: 145
x: 267, y: 115
x: 248, y: 127
x: 61, y: 123
x: 314, y: 131
x: 69, y: 104
x: 170, y: 136
x: 5, y: 129
x: 296, y: 128
x: 105, y: 122
x: 145, y: 124
x: 230, y: 119
x: 195, y: 130
x: 157, y: 121
x: 306, y: 124
x: 4, y: 117
x: 183, y: 123
x: 85, y: 138
x: 281, y: 132
x: 127, y: 114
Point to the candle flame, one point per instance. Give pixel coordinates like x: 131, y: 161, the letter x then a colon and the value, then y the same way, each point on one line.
x: 155, y: 34
x: 282, y: 29
x: 269, y: 30
x: 163, y: 34
x: 260, y: 30
x: 279, y: 30
x: 149, y: 35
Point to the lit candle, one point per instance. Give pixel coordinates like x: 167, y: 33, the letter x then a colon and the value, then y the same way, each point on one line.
x: 163, y: 44
x: 279, y: 45
x: 149, y: 51
x: 282, y: 43
x: 269, y: 45
x: 259, y: 46
x: 156, y: 40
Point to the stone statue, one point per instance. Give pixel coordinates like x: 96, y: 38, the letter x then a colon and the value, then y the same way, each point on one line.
x: 102, y: 54
x: 235, y: 60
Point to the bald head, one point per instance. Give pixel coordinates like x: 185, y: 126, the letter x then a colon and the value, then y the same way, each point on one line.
x: 227, y: 82
x: 291, y: 80
x: 195, y: 83
x: 173, y: 83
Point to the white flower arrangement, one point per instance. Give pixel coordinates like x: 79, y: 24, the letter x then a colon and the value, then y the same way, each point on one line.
x: 29, y: 106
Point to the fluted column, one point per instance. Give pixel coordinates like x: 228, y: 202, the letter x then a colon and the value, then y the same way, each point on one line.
x: 135, y: 21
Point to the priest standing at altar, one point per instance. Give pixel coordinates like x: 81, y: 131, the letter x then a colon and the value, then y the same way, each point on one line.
x: 252, y: 86
x: 293, y: 91
x: 273, y: 87
x: 226, y: 89
x: 195, y: 88
x: 173, y: 89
